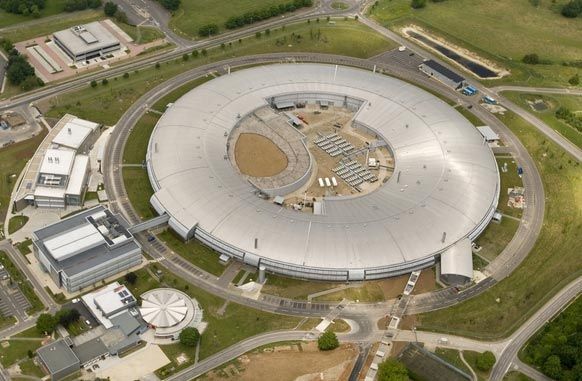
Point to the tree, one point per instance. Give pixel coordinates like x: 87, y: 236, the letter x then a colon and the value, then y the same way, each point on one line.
x: 66, y: 317
x: 574, y: 80
x: 392, y: 370
x: 45, y: 324
x: 553, y: 367
x: 126, y: 75
x: 485, y: 361
x: 531, y: 59
x: 195, y: 53
x: 30, y: 354
x: 204, y: 52
x: 417, y: 4
x: 327, y: 341
x: 130, y: 277
x: 110, y: 9
x: 572, y: 9
x: 170, y: 5
x: 18, y: 69
x: 185, y: 57
x: 157, y: 65
x: 93, y: 83
x: 189, y: 336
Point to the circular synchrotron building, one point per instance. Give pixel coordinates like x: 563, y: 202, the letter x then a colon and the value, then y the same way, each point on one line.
x: 324, y: 172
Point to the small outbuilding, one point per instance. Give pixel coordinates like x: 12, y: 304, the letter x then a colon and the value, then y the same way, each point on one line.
x: 488, y: 133
x: 441, y: 73
x: 58, y: 359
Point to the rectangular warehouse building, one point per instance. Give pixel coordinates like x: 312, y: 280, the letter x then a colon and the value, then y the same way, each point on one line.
x: 441, y: 73
x: 84, y: 42
x: 86, y: 248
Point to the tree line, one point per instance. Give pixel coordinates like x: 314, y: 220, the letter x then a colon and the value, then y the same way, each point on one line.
x: 572, y: 9
x: 23, y: 7
x: 265, y: 13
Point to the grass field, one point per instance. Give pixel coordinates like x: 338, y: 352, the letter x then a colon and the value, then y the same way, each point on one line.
x: 139, y: 191
x: 552, y: 263
x: 572, y: 102
x: 194, y: 252
x: 137, y: 143
x: 452, y: 357
x: 48, y: 26
x: 18, y: 349
x: 29, y: 368
x: 105, y: 104
x: 293, y: 288
x: 496, y: 236
x: 12, y: 160
x: 503, y: 31
x: 470, y: 116
x: 24, y: 246
x: 16, y: 223
x: 196, y: 13
x: 141, y: 34
x: 52, y: 7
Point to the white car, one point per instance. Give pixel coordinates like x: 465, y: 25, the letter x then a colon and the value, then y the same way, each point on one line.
x: 76, y: 300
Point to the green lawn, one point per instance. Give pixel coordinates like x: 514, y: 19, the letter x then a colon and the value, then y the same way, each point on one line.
x: 23, y: 283
x: 293, y: 288
x: 18, y: 349
x: 496, y: 237
x: 16, y: 223
x: 339, y: 5
x: 29, y: 368
x: 24, y: 246
x: 194, y: 252
x: 141, y: 34
x: 6, y: 321
x: 195, y: 13
x: 12, y: 160
x: 452, y: 357
x: 502, y: 31
x: 471, y: 358
x: 553, y: 262
x: 52, y: 7
x: 49, y: 26
x: 139, y: 191
x: 137, y: 143
x: 572, y: 102
x: 509, y: 179
x: 470, y: 116
x: 106, y: 104
x: 174, y: 95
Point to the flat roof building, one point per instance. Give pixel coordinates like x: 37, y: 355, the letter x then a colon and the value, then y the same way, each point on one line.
x: 488, y: 134
x: 86, y: 248
x: 58, y: 173
x: 84, y: 42
x: 441, y: 73
x: 58, y: 359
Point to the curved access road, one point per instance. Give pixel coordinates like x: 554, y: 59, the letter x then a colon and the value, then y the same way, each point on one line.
x: 532, y: 325
x: 537, y: 90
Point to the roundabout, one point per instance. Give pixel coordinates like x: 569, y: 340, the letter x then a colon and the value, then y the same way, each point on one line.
x: 441, y: 195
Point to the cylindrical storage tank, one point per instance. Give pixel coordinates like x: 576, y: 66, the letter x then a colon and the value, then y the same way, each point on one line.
x: 261, y: 274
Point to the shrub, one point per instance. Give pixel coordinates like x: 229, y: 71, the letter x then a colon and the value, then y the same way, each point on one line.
x: 485, y: 361
x: 208, y: 30
x: 327, y: 341
x: 417, y: 4
x: 265, y: 13
x: 171, y: 5
x: 574, y: 80
x: 189, y: 337
x: 104, y: 82
x: 130, y: 278
x: 531, y: 59
x: 572, y: 9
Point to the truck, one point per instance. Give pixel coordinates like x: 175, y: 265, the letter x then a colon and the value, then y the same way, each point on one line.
x: 469, y: 90
x: 487, y: 99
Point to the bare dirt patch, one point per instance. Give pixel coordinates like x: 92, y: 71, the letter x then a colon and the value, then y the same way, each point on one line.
x: 258, y: 156
x: 290, y: 362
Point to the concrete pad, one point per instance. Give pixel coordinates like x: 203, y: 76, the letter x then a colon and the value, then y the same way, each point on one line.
x: 137, y: 365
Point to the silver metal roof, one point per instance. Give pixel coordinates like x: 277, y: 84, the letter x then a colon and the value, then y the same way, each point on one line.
x: 448, y: 178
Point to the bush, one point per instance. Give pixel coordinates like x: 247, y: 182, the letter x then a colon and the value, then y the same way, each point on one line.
x: 104, y: 82
x: 93, y: 83
x: 6, y: 45
x: 392, y: 370
x: 572, y: 9
x: 417, y: 4
x: 574, y: 80
x: 208, y: 30
x: 195, y: 54
x: 531, y: 59
x: 189, y: 337
x: 327, y: 341
x: 131, y: 278
x: 110, y: 9
x: 126, y: 75
x: 185, y: 57
x: 170, y: 5
x: 485, y: 361
x: 78, y: 5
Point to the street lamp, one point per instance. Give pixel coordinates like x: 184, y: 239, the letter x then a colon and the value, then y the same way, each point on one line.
x: 415, y: 335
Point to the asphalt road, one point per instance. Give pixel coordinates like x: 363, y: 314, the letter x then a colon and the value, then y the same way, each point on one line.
x: 532, y: 325
x: 536, y: 90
